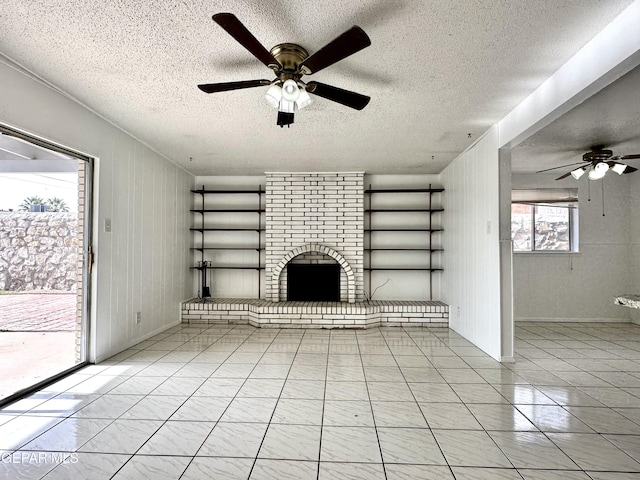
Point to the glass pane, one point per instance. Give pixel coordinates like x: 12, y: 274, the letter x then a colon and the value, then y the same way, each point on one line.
x: 42, y: 221
x: 521, y: 227
x: 552, y: 228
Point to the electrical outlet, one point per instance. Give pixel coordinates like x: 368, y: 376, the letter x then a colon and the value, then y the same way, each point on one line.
x: 457, y: 312
x: 138, y: 318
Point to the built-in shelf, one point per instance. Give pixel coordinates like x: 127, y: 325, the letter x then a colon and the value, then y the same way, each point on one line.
x: 427, y: 228
x: 406, y: 249
x: 427, y: 210
x: 224, y: 210
x: 225, y: 229
x: 405, y: 269
x: 207, y: 191
x: 404, y: 190
x: 225, y: 248
x: 228, y: 267
x: 247, y: 224
x: 404, y: 229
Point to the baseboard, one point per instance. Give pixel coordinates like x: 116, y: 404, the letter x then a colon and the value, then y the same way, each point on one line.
x: 507, y: 359
x: 572, y: 320
x: 134, y: 342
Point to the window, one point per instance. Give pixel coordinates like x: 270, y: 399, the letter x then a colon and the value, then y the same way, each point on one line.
x: 544, y: 220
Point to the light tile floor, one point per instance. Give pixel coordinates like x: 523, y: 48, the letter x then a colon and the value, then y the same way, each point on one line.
x: 218, y: 402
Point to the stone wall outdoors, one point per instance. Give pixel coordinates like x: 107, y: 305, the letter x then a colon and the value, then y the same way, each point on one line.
x: 38, y: 251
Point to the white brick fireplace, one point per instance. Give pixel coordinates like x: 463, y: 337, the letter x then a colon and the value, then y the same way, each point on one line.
x: 315, y: 213
x: 313, y: 219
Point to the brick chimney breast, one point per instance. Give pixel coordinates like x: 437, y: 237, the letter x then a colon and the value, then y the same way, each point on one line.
x: 315, y: 212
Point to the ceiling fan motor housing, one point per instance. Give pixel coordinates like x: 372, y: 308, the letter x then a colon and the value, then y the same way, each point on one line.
x: 290, y: 56
x: 597, y: 156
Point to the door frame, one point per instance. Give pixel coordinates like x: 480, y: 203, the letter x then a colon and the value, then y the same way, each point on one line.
x: 87, y: 254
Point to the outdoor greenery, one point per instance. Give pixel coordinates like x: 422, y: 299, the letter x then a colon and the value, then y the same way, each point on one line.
x: 26, y: 204
x: 54, y: 204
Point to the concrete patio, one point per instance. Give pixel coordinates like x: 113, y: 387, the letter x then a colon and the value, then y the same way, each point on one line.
x: 37, y: 337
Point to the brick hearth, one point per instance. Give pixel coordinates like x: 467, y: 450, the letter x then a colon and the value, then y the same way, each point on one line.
x: 264, y: 313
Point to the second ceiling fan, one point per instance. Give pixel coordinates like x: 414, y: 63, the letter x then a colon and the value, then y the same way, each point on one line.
x: 597, y: 163
x: 290, y: 62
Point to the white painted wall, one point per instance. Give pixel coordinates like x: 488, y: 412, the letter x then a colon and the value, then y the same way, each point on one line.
x: 580, y: 286
x: 507, y: 330
x: 229, y: 283
x: 634, y: 241
x: 402, y: 285
x: 142, y: 263
x: 472, y: 279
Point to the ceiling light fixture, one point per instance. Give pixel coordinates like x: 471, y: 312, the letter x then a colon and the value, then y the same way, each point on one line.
x: 304, y: 99
x: 598, y: 162
x: 599, y: 171
x: 285, y: 112
x: 578, y: 172
x: 286, y: 99
x: 290, y: 90
x: 274, y: 95
x: 619, y: 168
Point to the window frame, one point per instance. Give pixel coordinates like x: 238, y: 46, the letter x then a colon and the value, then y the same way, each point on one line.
x: 563, y: 198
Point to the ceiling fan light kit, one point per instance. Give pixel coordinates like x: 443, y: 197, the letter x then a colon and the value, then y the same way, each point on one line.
x: 598, y: 171
x: 578, y: 172
x: 289, y: 62
x: 304, y: 99
x: 619, y: 168
x: 290, y: 90
x: 600, y: 161
x: 273, y: 95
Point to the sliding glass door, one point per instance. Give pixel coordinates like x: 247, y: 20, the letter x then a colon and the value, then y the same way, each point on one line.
x: 44, y: 261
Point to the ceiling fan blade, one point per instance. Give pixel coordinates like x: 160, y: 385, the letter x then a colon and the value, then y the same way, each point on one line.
x: 350, y: 42
x: 563, y: 176
x: 244, y: 37
x: 335, y: 94
x: 226, y: 86
x: 563, y: 166
x: 626, y: 157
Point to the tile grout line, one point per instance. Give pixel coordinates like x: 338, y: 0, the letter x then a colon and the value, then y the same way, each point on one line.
x: 601, y: 339
x: 164, y: 422
x: 324, y: 400
x: 255, y: 460
x: 373, y: 416
x: 112, y: 421
x: 595, y: 432
x: 416, y: 400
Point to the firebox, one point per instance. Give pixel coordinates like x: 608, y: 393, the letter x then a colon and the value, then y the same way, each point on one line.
x: 313, y: 282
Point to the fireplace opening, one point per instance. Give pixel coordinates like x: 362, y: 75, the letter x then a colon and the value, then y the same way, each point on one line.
x: 313, y: 282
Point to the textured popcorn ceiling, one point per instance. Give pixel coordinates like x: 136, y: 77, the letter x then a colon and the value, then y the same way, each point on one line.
x: 610, y: 118
x: 436, y: 71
